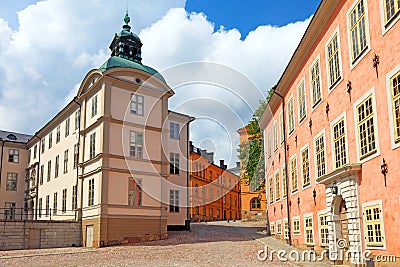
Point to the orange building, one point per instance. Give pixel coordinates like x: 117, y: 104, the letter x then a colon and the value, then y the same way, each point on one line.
x: 253, y: 200
x: 215, y: 192
x: 332, y: 134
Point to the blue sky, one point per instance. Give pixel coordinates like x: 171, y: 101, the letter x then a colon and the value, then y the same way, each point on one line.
x: 246, y: 16
x: 48, y: 46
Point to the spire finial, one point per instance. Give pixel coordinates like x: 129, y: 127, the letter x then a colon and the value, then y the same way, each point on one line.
x: 127, y: 19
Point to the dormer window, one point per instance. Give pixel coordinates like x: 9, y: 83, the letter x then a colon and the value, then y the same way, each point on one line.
x: 11, y: 137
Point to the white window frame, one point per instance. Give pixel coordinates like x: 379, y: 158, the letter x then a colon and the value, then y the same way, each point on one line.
x: 390, y: 106
x: 283, y: 169
x: 281, y: 130
x: 376, y: 125
x: 137, y: 105
x: 367, y: 36
x: 320, y: 213
x: 303, y: 81
x: 340, y: 117
x: 315, y: 154
x: 313, y: 107
x: 306, y: 216
x: 291, y: 178
x: 290, y: 133
x: 174, y: 130
x: 285, y: 230
x: 331, y: 87
x: 272, y: 228
x: 295, y: 218
x: 369, y: 204
x: 306, y: 146
x: 277, y: 172
x: 279, y: 222
x: 387, y: 26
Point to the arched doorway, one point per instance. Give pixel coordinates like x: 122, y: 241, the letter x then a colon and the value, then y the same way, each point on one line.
x: 341, y: 229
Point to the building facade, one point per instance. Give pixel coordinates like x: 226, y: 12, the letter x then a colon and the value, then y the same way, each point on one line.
x: 331, y: 134
x: 215, y: 192
x: 14, y: 156
x: 112, y: 157
x: 253, y: 199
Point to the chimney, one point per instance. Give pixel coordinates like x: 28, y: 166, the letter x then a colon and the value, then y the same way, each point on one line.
x: 191, y: 146
x: 222, y: 165
x: 237, y: 164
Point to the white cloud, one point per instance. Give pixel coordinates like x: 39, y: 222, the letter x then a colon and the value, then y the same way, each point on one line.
x: 58, y: 42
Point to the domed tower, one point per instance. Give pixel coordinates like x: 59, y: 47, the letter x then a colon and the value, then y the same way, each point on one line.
x: 126, y: 44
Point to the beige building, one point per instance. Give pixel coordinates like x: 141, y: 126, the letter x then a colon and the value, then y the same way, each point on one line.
x: 14, y: 156
x: 115, y: 157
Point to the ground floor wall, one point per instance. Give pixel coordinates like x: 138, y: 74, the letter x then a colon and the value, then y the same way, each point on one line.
x: 108, y: 231
x: 39, y: 234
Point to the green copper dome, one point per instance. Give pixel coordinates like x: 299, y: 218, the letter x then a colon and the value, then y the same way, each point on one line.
x: 118, y: 62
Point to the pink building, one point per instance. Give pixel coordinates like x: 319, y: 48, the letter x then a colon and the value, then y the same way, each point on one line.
x: 332, y: 134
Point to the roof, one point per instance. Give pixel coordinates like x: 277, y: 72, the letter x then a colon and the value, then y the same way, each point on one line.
x: 14, y: 137
x: 118, y: 62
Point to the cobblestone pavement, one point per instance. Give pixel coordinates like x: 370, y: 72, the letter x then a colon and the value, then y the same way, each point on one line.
x: 207, y: 244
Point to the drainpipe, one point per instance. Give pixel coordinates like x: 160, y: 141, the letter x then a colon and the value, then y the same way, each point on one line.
x: 286, y: 167
x: 187, y: 223
x: 77, y: 166
x: 1, y: 158
x: 37, y: 176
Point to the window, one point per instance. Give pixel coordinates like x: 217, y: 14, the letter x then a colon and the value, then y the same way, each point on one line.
x: 91, y: 193
x: 47, y: 205
x: 320, y: 155
x: 211, y: 175
x: 58, y: 134
x: 203, y: 194
x: 277, y: 187
x: 366, y: 128
x: 9, y: 210
x: 279, y: 228
x: 291, y: 115
x: 48, y: 170
x: 358, y: 36
x: 196, y: 190
x: 395, y: 93
x: 136, y: 147
x: 135, y: 192
x: 67, y: 123
x: 305, y: 167
x: 76, y: 154
x: 173, y: 130
x: 392, y: 8
x: 275, y: 129
x: 57, y: 166
x: 92, y: 146
x: 12, y: 181
x: 293, y: 171
x: 94, y: 106
x: 50, y: 139
x: 173, y: 200
x: 42, y: 145
x: 40, y: 207
x: 211, y: 212
x: 284, y: 184
x: 272, y: 228
x: 13, y: 155
x: 301, y: 92
x: 281, y: 127
x: 35, y: 151
x: 55, y: 204
x: 271, y: 190
x: 333, y: 58
x: 77, y: 119
x: 65, y: 161
x: 211, y: 192
x: 373, y: 225
x: 224, y: 199
x: 74, y: 197
x: 269, y: 143
x: 64, y: 201
x: 286, y: 229
x: 41, y: 174
x: 174, y: 163
x: 323, y: 228
x: 255, y: 203
x: 308, y: 223
x: 315, y: 77
x: 339, y: 143
x: 137, y: 102
x: 296, y: 226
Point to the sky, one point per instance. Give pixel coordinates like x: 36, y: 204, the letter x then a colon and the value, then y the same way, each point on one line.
x: 231, y: 52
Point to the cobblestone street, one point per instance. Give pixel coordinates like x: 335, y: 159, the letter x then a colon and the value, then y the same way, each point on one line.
x: 207, y: 244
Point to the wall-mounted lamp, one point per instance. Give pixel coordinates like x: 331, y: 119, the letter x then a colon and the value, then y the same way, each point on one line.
x: 279, y: 157
x: 375, y: 64
x: 295, y: 139
x: 287, y: 147
x: 290, y: 203
x: 310, y: 123
x: 274, y: 210
x: 298, y: 200
x: 327, y: 108
x: 349, y: 87
x: 384, y: 170
x: 281, y: 206
x: 314, y: 195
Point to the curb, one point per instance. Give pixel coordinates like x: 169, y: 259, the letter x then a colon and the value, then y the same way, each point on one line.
x: 46, y: 254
